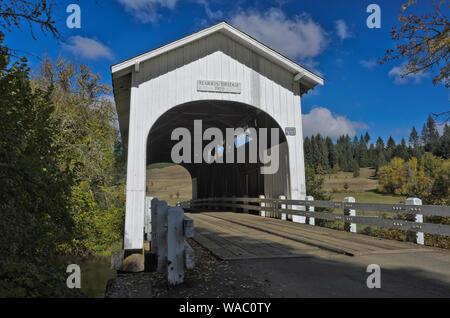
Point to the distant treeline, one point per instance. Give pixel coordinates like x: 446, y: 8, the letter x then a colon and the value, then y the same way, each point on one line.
x: 347, y: 154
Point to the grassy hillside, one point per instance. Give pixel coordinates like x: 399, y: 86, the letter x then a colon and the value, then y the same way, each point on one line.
x: 362, y: 188
x: 169, y: 182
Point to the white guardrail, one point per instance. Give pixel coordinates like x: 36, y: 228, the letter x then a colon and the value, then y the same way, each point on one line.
x: 301, y: 210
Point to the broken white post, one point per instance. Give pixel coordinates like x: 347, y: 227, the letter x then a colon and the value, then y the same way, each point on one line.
x: 282, y: 206
x: 311, y: 209
x: 350, y: 227
x: 175, y: 246
x: 159, y: 235
x: 416, y: 237
x: 262, y: 204
x: 154, y: 245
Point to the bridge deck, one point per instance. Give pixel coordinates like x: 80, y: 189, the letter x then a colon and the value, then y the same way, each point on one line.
x: 232, y: 236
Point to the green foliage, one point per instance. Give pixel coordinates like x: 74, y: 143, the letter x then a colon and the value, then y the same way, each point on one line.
x: 34, y: 189
x: 355, y: 169
x: 91, y: 146
x: 314, y: 185
x: 325, y: 156
x: 62, y: 173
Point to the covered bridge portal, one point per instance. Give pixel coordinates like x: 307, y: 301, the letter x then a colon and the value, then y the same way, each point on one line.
x: 226, y: 79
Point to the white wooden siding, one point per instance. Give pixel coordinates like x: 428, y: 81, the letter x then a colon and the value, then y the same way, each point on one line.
x: 170, y: 79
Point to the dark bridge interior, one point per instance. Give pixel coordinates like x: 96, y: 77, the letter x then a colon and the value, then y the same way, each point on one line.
x: 215, y: 179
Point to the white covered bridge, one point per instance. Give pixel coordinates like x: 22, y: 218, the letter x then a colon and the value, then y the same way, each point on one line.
x: 219, y: 79
x: 226, y: 79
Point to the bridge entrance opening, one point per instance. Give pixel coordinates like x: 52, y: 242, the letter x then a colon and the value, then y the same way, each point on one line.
x: 223, y: 179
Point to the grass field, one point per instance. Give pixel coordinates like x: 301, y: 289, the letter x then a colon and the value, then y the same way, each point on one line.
x: 363, y: 188
x: 171, y: 183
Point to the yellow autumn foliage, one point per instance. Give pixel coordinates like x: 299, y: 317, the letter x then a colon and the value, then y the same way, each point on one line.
x: 422, y: 177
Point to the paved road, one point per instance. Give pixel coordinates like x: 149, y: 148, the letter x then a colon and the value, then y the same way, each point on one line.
x: 298, y: 260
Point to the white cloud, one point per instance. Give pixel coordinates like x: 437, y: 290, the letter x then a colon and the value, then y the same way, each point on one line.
x: 369, y: 64
x: 147, y: 10
x: 298, y: 38
x: 212, y: 15
x: 342, y: 30
x: 87, y: 48
x: 397, y: 71
x: 320, y: 120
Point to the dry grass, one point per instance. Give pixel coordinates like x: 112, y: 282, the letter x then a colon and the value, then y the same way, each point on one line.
x: 365, y: 182
x: 165, y: 183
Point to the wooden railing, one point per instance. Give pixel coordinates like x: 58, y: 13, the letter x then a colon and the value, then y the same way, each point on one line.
x: 301, y: 210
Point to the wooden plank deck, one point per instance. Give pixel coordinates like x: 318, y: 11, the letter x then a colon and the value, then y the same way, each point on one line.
x: 231, y: 236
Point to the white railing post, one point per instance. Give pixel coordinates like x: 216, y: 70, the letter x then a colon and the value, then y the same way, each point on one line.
x: 159, y: 234
x: 350, y: 227
x: 262, y: 204
x: 282, y: 206
x: 311, y: 209
x: 299, y: 218
x: 175, y: 246
x: 416, y: 237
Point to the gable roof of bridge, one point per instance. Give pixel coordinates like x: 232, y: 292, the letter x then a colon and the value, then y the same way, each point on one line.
x: 306, y: 77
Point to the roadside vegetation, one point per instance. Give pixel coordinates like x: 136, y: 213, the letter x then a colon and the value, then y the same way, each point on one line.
x: 61, y: 172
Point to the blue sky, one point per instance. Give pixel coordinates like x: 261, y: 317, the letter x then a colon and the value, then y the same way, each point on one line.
x: 328, y: 37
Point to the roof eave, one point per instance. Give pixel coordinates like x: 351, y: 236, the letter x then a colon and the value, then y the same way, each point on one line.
x: 125, y: 67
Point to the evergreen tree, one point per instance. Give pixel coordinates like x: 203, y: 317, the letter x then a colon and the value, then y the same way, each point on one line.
x: 367, y: 138
x: 430, y: 136
x: 372, y: 155
x: 379, y: 145
x: 332, y: 153
x: 363, y: 155
x: 308, y: 152
x: 414, y: 138
x: 321, y: 153
x: 401, y: 150
x: 355, y: 168
x: 381, y: 160
x: 444, y: 143
x: 390, y: 148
